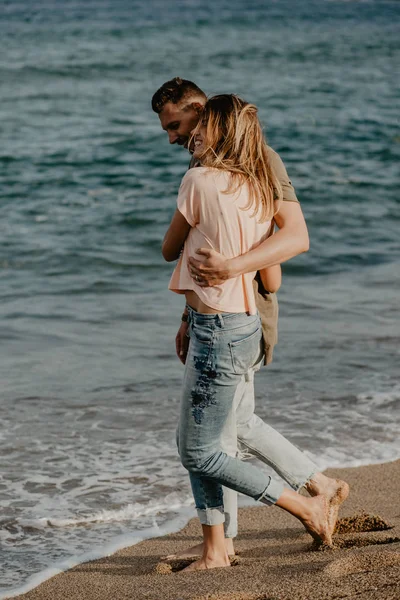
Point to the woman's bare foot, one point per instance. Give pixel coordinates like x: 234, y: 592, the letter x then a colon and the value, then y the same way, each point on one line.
x: 316, y: 521
x: 198, y: 551
x: 214, y: 550
x: 216, y: 562
x: 334, y: 490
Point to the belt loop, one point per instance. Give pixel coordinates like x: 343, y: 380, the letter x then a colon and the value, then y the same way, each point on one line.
x: 220, y: 319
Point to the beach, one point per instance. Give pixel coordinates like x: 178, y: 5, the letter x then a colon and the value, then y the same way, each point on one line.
x: 90, y: 383
x: 275, y: 557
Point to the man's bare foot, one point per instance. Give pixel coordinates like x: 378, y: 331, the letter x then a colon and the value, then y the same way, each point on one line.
x: 208, y: 563
x: 334, y: 490
x: 198, y: 551
x: 342, y: 492
x: 317, y: 521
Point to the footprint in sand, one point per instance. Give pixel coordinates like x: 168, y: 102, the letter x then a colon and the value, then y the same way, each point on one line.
x: 362, y: 563
x: 361, y: 523
x: 358, y: 525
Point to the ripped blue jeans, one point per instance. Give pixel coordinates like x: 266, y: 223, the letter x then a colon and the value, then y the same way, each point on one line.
x: 223, y: 347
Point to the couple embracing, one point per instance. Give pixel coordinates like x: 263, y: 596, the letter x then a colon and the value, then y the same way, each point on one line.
x: 229, y: 202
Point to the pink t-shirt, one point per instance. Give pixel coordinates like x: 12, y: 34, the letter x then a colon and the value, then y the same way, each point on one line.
x: 218, y: 221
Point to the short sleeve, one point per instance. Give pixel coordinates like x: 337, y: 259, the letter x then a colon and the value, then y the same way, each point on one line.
x: 279, y: 169
x: 188, y: 201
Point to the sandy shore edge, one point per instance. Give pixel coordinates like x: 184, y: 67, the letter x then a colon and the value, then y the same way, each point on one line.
x: 275, y: 560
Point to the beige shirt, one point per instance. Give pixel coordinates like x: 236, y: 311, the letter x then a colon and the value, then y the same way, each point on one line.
x: 267, y: 303
x: 225, y: 222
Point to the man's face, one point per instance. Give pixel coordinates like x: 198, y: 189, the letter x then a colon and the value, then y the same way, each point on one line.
x: 178, y: 121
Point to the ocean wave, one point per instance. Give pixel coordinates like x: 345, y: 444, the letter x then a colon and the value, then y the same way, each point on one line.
x: 131, y: 512
x: 371, y: 452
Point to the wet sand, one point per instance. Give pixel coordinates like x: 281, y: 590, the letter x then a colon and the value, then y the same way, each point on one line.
x: 275, y: 557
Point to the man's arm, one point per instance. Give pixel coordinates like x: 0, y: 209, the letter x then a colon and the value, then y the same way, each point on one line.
x: 290, y: 240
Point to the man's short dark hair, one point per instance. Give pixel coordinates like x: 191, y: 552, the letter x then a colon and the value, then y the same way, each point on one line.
x: 175, y: 91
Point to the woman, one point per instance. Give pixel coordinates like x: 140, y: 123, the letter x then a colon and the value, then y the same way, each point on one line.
x: 226, y: 204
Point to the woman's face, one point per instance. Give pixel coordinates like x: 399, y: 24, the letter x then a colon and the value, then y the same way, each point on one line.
x: 199, y: 138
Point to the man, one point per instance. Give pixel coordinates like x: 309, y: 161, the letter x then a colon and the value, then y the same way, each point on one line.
x: 179, y: 104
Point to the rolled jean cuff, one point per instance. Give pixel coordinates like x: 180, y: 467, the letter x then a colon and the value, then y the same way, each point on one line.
x: 302, y: 484
x: 230, y: 529
x: 211, y: 516
x: 272, y: 492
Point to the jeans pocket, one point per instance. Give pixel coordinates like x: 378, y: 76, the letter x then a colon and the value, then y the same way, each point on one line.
x: 245, y: 352
x: 200, y: 334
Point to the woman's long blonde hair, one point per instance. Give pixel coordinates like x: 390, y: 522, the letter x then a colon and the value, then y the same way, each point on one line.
x: 235, y: 142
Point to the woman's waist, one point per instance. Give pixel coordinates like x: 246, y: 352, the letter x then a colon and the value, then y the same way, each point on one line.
x: 231, y: 296
x: 221, y: 319
x: 197, y: 304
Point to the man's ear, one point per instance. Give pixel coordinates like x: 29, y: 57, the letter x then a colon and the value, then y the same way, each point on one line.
x: 198, y: 107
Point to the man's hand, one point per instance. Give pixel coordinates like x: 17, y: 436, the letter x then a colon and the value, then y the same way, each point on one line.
x: 290, y: 240
x: 212, y: 270
x: 182, y: 342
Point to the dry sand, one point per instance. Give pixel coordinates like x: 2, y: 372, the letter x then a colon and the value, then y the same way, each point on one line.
x: 275, y: 559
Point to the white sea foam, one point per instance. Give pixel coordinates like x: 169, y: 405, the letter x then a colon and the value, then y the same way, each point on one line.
x: 117, y: 543
x: 131, y: 512
x: 368, y: 453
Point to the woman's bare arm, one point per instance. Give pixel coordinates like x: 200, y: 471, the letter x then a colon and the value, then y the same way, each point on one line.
x: 271, y: 278
x: 175, y: 237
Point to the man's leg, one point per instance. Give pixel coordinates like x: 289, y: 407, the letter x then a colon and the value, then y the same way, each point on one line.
x: 229, y: 445
x: 265, y: 443
x: 260, y: 440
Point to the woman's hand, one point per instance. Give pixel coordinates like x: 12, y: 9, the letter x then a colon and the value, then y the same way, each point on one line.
x: 182, y: 342
x: 212, y: 270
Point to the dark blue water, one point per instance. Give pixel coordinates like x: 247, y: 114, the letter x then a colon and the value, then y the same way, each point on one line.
x: 89, y: 380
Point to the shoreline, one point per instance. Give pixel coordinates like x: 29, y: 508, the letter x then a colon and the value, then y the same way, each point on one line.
x: 126, y: 540
x: 116, y: 544
x: 274, y: 556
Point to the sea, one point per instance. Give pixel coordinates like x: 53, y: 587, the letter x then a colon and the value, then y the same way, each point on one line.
x: 90, y: 383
